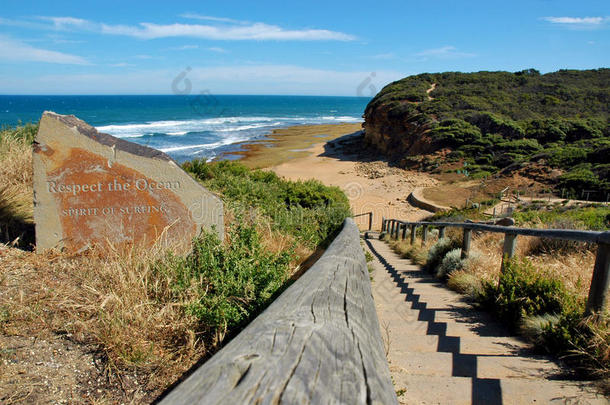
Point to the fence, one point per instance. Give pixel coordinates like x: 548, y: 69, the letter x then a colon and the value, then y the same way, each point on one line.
x: 318, y: 342
x: 598, y: 292
x: 370, y: 214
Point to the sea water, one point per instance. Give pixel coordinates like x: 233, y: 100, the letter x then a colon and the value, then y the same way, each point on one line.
x: 187, y: 127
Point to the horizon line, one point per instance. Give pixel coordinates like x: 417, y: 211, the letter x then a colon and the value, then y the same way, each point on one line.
x: 181, y: 95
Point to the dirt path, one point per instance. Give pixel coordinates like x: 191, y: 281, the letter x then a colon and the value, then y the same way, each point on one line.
x: 441, y: 351
x: 430, y: 90
x: 370, y: 185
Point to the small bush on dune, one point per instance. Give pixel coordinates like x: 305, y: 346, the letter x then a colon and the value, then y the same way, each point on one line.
x: 451, y: 262
x: 416, y: 253
x: 533, y: 327
x: 437, y: 252
x: 465, y: 283
x: 522, y: 291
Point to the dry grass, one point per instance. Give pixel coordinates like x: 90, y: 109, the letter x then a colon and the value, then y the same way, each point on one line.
x: 115, y: 302
x: 465, y: 282
x: 417, y: 253
x: 574, y: 269
x: 16, y: 207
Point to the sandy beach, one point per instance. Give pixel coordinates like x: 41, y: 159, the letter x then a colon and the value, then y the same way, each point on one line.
x: 371, y: 185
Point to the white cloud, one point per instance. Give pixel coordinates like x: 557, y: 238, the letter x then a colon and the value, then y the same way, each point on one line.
x: 229, y: 29
x: 256, y: 31
x: 384, y: 56
x: 445, y: 52
x: 121, y: 64
x: 579, y: 23
x: 14, y: 50
x: 594, y: 21
x: 195, y: 16
x: 217, y: 49
x: 184, y: 47
x: 62, y: 23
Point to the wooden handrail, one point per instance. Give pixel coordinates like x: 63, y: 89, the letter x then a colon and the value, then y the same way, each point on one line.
x: 600, y: 282
x: 370, y: 214
x: 318, y: 342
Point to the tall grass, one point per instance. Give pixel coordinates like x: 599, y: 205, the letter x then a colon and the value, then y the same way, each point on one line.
x: 16, y: 207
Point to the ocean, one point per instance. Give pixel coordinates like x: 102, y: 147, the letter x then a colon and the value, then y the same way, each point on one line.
x: 187, y: 126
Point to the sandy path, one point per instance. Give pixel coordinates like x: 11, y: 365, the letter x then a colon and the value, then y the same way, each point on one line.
x: 370, y: 186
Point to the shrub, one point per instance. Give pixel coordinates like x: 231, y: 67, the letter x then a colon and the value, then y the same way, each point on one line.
x: 465, y: 283
x: 534, y: 327
x: 451, y: 262
x: 492, y: 123
x: 547, y: 130
x: 522, y: 291
x: 567, y: 156
x: 307, y: 210
x: 593, y: 217
x: 578, y: 179
x: 455, y: 133
x: 437, y: 252
x: 232, y: 281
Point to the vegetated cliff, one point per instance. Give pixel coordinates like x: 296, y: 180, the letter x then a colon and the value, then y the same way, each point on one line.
x: 500, y: 121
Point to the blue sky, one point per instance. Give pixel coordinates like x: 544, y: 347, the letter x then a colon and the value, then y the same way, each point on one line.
x: 277, y: 47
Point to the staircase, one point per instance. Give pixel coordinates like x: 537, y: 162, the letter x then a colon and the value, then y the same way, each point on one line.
x: 442, y: 351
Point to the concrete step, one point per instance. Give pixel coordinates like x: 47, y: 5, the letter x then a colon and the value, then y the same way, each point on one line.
x: 480, y: 345
x: 477, y: 366
x: 465, y: 391
x: 442, y: 351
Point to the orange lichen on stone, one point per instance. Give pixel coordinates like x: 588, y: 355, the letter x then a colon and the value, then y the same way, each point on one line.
x: 99, y: 203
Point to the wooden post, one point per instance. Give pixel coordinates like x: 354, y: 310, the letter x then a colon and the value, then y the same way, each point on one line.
x: 413, y: 234
x: 466, y: 242
x: 424, y: 236
x: 391, y: 230
x: 398, y: 225
x: 441, y: 232
x: 510, y: 244
x: 370, y: 220
x: 598, y: 292
x: 404, y: 232
x: 382, y: 224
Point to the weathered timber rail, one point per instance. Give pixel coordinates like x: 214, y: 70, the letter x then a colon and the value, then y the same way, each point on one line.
x: 598, y: 292
x: 318, y: 342
x: 370, y: 214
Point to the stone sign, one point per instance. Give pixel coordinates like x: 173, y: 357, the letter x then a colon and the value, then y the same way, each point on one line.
x: 91, y: 189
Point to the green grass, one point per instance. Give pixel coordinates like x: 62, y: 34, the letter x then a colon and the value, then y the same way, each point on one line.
x: 592, y: 217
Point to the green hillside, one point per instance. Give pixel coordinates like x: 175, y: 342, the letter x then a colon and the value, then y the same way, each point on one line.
x: 500, y: 122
